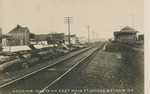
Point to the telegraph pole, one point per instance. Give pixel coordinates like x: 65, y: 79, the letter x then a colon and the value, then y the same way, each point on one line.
x: 133, y: 28
x: 88, y: 27
x: 93, y: 35
x: 69, y: 20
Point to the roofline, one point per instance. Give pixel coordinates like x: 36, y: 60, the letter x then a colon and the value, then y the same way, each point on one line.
x: 123, y: 33
x: 19, y: 27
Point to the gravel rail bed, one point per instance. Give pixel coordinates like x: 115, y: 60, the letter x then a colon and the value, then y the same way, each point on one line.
x: 39, y: 80
x: 9, y: 76
x: 117, y: 68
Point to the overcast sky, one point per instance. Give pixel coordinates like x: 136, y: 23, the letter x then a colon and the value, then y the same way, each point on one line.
x: 45, y: 16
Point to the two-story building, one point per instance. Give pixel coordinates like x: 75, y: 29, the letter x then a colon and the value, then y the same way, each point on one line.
x: 19, y: 36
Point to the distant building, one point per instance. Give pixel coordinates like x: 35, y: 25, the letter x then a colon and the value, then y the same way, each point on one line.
x: 52, y: 38
x: 126, y: 35
x: 73, y: 39
x: 41, y: 39
x: 2, y: 36
x: 140, y: 39
x: 0, y: 30
x: 55, y: 38
x: 83, y: 40
x: 19, y: 36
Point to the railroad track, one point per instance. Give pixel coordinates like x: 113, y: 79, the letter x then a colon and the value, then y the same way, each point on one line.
x: 37, y: 81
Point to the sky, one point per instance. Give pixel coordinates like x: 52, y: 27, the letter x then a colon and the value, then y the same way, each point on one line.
x: 46, y: 16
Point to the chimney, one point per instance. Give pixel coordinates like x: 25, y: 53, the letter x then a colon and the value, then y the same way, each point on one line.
x: 18, y: 26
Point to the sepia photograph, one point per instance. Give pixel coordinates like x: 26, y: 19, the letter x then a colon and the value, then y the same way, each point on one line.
x: 72, y: 47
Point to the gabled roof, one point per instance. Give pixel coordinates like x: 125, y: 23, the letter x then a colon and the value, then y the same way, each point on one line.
x: 18, y: 29
x: 128, y: 29
x: 125, y: 31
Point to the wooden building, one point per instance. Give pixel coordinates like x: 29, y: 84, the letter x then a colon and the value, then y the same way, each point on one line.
x: 2, y: 37
x: 140, y: 39
x: 19, y: 36
x: 126, y: 35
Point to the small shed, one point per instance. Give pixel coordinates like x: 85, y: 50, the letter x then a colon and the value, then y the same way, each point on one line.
x: 2, y: 36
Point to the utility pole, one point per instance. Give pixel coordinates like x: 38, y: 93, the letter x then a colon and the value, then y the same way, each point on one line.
x: 133, y: 28
x: 10, y: 42
x: 88, y: 27
x: 93, y: 36
x: 69, y: 20
x: 96, y: 36
x: 120, y: 28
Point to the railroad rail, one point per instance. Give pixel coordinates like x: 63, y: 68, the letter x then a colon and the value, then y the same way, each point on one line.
x: 90, y: 51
